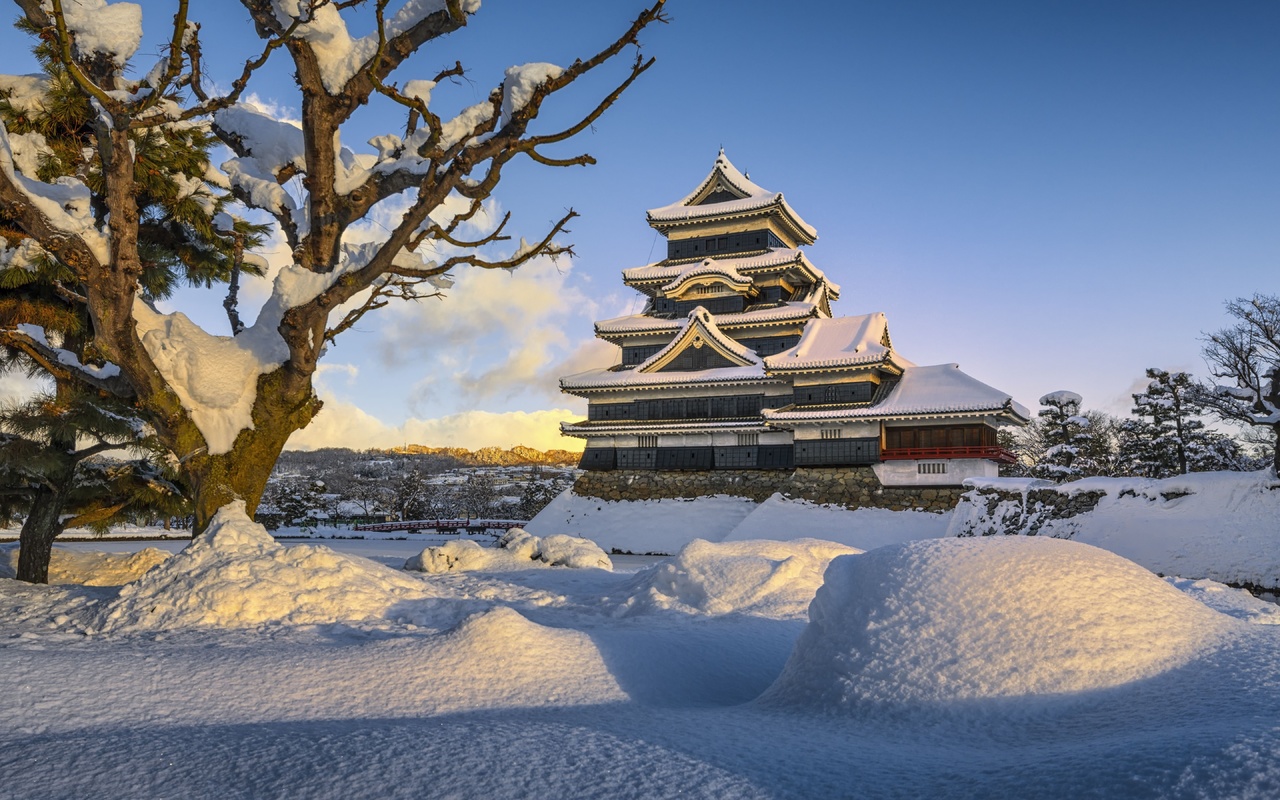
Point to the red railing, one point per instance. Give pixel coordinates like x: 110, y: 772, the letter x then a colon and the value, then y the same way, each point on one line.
x: 993, y: 453
x: 443, y: 525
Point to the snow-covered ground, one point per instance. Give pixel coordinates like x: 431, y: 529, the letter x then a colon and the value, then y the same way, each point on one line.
x: 664, y: 526
x: 984, y: 667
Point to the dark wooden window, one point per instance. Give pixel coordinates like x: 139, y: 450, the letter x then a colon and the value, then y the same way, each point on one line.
x: 829, y: 394
x: 926, y: 436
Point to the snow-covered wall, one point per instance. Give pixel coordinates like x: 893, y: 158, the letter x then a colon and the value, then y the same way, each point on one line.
x: 1224, y: 526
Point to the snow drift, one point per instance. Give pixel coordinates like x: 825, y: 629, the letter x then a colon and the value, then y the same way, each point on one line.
x: 236, y: 575
x: 89, y: 568
x: 760, y: 578
x: 957, y: 619
x: 517, y: 549
x: 784, y: 518
x: 642, y: 526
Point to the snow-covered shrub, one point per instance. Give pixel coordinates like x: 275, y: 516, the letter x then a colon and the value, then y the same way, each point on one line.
x: 943, y: 620
x: 517, y: 549
x: 762, y: 578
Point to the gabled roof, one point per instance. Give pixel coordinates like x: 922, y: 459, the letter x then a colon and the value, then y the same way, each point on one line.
x: 774, y: 260
x: 634, y: 324
x: 937, y: 390
x: 597, y: 379
x: 708, y: 268
x: 833, y: 343
x: 726, y: 180
x: 699, y: 331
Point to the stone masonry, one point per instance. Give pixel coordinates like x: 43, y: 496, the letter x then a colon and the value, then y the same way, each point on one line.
x: 851, y: 487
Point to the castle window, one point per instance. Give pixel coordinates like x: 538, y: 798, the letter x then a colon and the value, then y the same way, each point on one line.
x: 932, y: 468
x: 649, y: 440
x: 831, y: 433
x: 748, y: 439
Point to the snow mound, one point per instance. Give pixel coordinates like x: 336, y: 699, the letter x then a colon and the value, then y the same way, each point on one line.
x: 500, y: 659
x: 236, y: 575
x: 760, y: 578
x: 517, y: 549
x: 959, y: 619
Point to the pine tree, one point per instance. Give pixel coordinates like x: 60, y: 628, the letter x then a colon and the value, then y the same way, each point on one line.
x: 1067, y: 437
x: 51, y: 461
x: 1166, y: 438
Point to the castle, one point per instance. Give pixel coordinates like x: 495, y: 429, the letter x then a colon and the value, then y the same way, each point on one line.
x: 736, y: 362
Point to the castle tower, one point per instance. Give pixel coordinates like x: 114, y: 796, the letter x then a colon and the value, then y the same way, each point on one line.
x: 737, y: 363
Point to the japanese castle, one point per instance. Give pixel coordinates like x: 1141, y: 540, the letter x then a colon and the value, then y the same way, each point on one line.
x: 736, y: 362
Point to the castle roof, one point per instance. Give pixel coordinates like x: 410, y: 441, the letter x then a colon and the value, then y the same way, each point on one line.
x: 931, y: 391
x: 770, y: 261
x: 726, y: 192
x: 834, y: 343
x: 634, y: 324
x: 699, y: 330
x: 708, y: 268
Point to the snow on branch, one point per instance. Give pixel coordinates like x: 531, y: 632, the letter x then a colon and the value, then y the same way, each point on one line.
x: 32, y: 342
x: 58, y: 215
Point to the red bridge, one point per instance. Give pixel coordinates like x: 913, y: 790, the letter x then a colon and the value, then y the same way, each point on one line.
x: 445, y: 525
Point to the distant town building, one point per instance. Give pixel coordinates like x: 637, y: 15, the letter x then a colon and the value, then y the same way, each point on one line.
x: 737, y: 363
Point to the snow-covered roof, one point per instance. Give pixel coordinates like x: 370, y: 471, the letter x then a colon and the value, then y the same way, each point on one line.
x: 641, y: 323
x: 749, y: 197
x: 840, y: 342
x: 631, y: 379
x: 937, y: 390
x: 700, y: 330
x: 770, y: 261
x: 586, y: 429
x: 708, y: 268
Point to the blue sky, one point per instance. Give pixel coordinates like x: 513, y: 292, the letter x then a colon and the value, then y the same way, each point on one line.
x: 1054, y: 195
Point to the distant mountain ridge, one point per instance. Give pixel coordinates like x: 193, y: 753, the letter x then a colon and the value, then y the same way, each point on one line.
x: 518, y: 456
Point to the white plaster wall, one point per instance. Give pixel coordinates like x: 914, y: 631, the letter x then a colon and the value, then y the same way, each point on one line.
x: 848, y: 430
x: 906, y: 472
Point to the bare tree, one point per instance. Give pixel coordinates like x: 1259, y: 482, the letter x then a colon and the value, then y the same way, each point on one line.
x: 225, y: 406
x: 1247, y: 356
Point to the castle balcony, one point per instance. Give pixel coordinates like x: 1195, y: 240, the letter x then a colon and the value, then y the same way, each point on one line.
x: 990, y: 452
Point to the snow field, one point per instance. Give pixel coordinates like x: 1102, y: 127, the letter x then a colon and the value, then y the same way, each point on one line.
x: 1013, y: 667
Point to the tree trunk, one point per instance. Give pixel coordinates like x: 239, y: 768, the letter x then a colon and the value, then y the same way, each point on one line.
x: 1275, y: 451
x: 42, y: 526
x: 285, y: 403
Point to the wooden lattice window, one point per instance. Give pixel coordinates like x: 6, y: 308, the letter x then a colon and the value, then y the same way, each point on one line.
x: 649, y: 440
x: 831, y: 433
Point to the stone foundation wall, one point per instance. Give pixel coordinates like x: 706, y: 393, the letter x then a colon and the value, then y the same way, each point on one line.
x: 989, y: 511
x: 851, y: 487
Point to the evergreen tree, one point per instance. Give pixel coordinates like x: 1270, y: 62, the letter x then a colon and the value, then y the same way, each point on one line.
x: 52, y: 135
x: 1068, y: 439
x: 1166, y: 438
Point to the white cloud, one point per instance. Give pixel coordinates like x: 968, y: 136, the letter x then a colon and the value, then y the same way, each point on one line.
x: 15, y: 387
x: 341, y: 424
